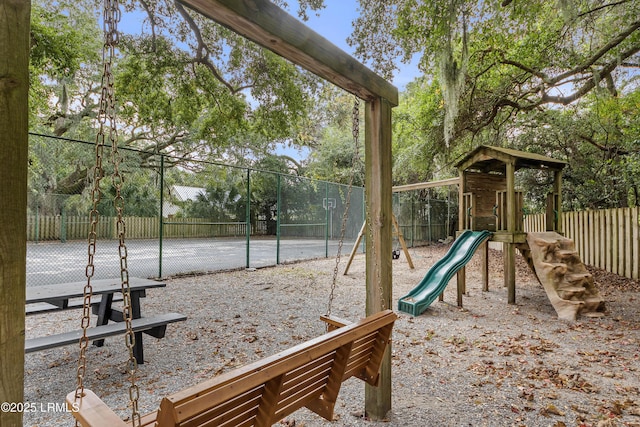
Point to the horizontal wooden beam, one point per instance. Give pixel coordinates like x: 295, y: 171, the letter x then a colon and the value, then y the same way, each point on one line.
x: 422, y: 185
x: 266, y: 24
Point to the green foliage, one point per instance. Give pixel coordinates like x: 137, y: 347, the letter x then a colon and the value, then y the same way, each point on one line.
x: 185, y: 87
x: 556, y: 78
x: 599, y: 140
x: 333, y: 159
x: 220, y: 203
x: 522, y: 56
x: 334, y: 151
x: 63, y: 45
x: 417, y: 128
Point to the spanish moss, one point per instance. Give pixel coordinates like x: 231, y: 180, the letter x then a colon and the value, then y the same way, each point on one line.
x: 452, y: 78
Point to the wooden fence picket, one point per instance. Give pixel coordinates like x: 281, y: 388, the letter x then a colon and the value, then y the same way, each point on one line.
x: 607, y: 238
x: 633, y: 250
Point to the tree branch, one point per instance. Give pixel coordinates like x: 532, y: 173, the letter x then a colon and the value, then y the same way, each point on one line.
x: 607, y: 150
x: 152, y: 20
x: 591, y: 83
x: 202, y: 51
x: 601, y: 52
x: 543, y: 76
x: 596, y: 9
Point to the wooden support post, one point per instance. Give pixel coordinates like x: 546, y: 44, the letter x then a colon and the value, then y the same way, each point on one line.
x: 461, y: 275
x: 461, y: 191
x: 557, y: 189
x: 462, y: 284
x: 379, y: 246
x: 484, y: 264
x: 510, y: 272
x: 356, y: 245
x: 14, y: 94
x: 510, y: 248
x: 398, y: 233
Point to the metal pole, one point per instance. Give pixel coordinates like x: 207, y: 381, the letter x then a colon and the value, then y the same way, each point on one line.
x: 248, y: 217
x: 413, y: 219
x: 326, y: 220
x: 63, y: 226
x: 161, y: 218
x: 37, y: 223
x: 429, y: 214
x: 279, y: 206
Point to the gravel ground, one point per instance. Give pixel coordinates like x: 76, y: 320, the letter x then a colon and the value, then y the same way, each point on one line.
x: 487, y: 364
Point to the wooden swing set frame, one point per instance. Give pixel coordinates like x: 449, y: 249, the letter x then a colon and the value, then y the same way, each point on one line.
x: 360, y: 349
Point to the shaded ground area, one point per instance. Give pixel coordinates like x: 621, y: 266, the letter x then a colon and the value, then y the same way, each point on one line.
x: 487, y: 364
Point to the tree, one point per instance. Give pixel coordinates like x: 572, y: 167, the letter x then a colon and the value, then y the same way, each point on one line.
x: 14, y: 115
x: 224, y: 198
x: 185, y: 86
x: 495, y: 60
x: 418, y: 132
x: 334, y: 149
x: 599, y: 138
x: 557, y: 78
x: 65, y: 53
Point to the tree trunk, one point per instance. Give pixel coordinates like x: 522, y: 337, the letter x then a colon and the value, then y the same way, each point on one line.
x: 14, y: 91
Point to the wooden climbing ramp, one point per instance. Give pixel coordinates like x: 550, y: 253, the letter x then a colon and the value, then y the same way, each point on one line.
x: 565, y: 278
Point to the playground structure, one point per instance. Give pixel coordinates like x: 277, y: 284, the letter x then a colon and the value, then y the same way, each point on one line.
x: 491, y: 208
x: 347, y: 350
x: 397, y: 232
x: 565, y: 279
x: 489, y: 201
x: 437, y: 279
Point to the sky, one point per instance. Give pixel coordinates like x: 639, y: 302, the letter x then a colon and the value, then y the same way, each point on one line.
x: 335, y: 24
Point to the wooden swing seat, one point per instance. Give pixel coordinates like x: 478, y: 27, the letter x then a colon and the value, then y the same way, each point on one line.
x: 266, y: 391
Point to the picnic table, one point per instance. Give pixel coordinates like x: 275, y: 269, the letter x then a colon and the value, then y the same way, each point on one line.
x: 66, y: 296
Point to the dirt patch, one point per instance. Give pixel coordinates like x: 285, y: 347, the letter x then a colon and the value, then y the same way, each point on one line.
x: 487, y: 364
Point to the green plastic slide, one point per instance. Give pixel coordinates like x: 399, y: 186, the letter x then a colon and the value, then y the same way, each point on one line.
x: 437, y: 278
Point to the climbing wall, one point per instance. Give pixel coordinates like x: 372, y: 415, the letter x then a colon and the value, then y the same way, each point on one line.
x: 568, y: 284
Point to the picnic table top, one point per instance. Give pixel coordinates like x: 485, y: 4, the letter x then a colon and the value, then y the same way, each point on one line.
x: 63, y: 291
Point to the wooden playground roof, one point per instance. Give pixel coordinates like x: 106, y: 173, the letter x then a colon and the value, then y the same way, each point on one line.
x: 494, y: 159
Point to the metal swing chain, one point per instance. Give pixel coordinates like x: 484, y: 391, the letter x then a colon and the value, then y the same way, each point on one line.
x: 107, y: 117
x: 355, y: 130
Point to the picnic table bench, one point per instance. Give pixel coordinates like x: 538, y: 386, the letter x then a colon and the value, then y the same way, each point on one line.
x: 65, y: 296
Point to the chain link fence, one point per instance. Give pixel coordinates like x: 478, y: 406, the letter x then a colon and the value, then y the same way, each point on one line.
x: 195, y: 216
x: 426, y: 216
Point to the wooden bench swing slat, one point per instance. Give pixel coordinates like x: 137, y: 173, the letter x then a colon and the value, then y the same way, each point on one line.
x: 266, y: 391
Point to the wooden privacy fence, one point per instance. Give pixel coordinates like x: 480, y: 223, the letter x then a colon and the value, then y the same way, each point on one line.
x: 63, y: 228
x: 608, y: 239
